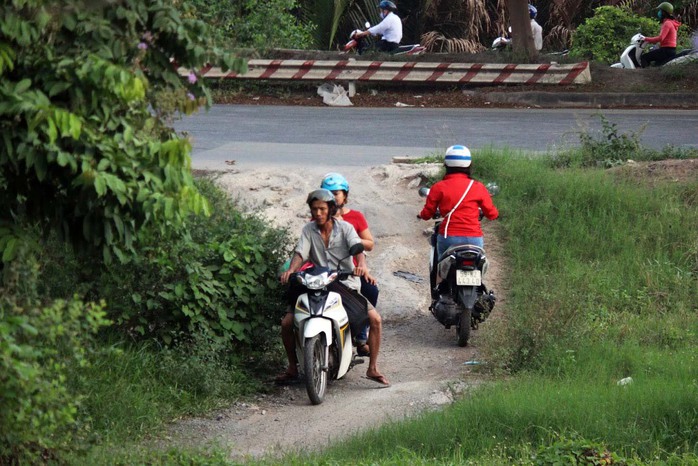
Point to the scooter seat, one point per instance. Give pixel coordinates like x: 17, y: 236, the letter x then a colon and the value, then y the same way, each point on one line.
x: 461, y: 247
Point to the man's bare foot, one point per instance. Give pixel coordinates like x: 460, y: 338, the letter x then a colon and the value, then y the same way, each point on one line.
x: 377, y: 377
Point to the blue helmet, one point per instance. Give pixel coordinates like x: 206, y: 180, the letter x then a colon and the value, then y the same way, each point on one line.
x: 335, y: 182
x: 532, y: 11
x: 387, y: 5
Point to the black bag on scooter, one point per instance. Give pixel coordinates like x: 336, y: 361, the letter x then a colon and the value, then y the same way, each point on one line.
x: 355, y: 305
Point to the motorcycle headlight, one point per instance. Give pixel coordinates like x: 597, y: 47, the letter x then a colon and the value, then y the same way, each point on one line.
x: 318, y: 282
x: 315, y: 282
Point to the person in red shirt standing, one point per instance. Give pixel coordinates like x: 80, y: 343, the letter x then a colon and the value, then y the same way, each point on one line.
x: 666, y: 38
x: 459, y: 199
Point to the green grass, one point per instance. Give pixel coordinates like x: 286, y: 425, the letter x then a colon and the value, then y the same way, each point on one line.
x: 655, y: 412
x: 132, y: 391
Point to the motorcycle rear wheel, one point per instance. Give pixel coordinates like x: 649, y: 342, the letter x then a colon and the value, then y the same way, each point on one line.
x: 313, y: 367
x: 463, y: 327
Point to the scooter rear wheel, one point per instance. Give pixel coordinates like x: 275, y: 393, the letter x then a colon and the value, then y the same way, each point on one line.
x: 463, y: 327
x: 314, y: 366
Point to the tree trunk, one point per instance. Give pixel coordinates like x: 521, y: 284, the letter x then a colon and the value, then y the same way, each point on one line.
x: 522, y: 36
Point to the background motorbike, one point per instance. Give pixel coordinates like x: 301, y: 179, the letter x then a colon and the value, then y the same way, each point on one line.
x: 323, y: 335
x: 363, y: 43
x: 502, y: 42
x: 458, y: 294
x: 630, y: 58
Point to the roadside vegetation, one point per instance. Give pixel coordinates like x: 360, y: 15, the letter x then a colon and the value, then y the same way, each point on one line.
x: 132, y: 294
x: 591, y: 30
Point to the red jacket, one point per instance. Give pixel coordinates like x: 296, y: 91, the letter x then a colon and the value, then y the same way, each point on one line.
x: 667, y: 36
x: 465, y: 220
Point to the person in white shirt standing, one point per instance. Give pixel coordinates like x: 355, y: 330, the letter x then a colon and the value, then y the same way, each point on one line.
x: 536, y: 28
x: 390, y: 28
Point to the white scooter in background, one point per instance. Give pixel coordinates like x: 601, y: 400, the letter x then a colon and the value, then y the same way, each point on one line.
x: 630, y: 58
x: 502, y: 42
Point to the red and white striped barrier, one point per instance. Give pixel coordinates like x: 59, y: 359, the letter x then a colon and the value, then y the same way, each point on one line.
x: 354, y: 70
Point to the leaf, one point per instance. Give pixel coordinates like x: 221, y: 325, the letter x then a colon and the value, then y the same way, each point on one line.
x: 23, y: 85
x: 100, y: 185
x: 10, y: 250
x: 40, y: 166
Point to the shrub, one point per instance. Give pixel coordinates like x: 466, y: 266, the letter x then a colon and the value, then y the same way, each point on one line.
x: 38, y: 344
x: 260, y: 24
x: 604, y: 36
x: 216, y: 274
x: 79, y: 118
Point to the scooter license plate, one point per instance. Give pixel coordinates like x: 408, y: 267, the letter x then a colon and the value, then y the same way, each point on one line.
x: 468, y: 278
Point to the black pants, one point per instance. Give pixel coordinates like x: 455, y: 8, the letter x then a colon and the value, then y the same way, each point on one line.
x: 659, y: 56
x: 385, y: 46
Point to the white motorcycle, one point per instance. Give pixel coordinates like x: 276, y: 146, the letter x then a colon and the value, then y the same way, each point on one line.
x: 322, y: 331
x: 630, y: 58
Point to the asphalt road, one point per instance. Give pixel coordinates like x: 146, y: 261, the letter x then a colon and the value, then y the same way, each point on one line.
x: 372, y: 136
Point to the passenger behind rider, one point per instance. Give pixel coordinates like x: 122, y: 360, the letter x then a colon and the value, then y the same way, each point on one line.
x: 339, y: 186
x: 666, y: 38
x: 390, y: 28
x: 536, y: 28
x: 325, y: 241
x: 459, y: 199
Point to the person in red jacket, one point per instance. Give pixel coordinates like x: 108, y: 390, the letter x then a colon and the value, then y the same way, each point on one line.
x: 459, y: 199
x: 666, y: 38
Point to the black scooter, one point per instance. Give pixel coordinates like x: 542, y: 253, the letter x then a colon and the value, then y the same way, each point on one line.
x: 458, y: 294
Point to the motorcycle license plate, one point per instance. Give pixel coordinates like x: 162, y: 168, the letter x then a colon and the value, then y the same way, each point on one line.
x: 468, y: 278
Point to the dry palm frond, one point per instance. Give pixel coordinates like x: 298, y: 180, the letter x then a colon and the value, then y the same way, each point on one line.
x: 473, y: 20
x: 563, y: 12
x: 434, y: 41
x: 690, y: 15
x: 559, y: 37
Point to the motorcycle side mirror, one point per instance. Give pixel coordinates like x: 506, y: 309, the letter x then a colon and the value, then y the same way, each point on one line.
x: 423, y: 191
x: 356, y: 249
x: 492, y: 188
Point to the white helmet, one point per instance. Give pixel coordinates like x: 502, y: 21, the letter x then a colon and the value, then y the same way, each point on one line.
x: 457, y: 157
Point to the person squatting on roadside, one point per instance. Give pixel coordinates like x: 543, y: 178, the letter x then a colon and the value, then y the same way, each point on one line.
x: 536, y: 28
x: 390, y: 28
x: 459, y: 199
x: 339, y: 186
x: 325, y: 241
x: 666, y: 38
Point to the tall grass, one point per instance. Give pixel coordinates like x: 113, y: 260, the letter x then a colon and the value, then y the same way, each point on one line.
x: 132, y: 390
x: 603, y: 287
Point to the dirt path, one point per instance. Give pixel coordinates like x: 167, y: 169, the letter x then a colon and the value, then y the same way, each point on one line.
x: 419, y: 356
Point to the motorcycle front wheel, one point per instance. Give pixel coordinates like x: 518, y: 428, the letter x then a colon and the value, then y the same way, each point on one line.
x: 463, y: 327
x: 313, y: 365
